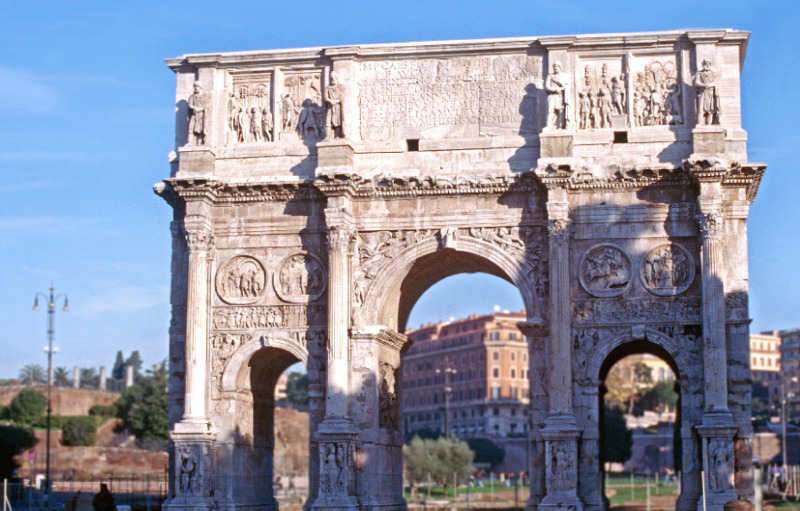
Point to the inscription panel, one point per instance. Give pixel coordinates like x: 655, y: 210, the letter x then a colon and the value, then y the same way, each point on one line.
x: 462, y: 96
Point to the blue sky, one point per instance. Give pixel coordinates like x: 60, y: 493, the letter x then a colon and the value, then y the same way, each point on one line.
x: 86, y: 123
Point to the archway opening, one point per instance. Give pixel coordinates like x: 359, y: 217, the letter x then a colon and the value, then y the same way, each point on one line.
x: 640, y: 416
x: 465, y: 374
x: 271, y: 448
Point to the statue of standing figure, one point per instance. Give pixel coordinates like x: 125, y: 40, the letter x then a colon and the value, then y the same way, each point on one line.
x: 705, y: 83
x: 198, y: 106
x: 333, y: 99
x: 557, y: 100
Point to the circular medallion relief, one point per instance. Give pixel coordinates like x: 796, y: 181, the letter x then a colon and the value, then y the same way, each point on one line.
x: 605, y: 270
x: 667, y: 269
x: 300, y: 278
x: 241, y: 280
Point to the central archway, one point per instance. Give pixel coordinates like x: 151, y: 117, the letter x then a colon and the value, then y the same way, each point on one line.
x: 395, y: 290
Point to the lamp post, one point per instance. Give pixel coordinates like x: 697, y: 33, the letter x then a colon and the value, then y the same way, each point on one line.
x: 51, y: 333
x: 448, y: 369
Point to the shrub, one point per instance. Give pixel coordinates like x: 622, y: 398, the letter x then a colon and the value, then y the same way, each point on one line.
x: 105, y: 412
x: 13, y: 440
x: 27, y: 406
x: 79, y: 431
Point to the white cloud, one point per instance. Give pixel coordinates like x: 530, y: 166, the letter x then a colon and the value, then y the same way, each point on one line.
x: 26, y: 92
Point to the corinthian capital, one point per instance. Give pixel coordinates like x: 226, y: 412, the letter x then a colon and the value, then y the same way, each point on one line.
x: 340, y: 238
x: 199, y: 240
x: 711, y: 224
x: 558, y: 229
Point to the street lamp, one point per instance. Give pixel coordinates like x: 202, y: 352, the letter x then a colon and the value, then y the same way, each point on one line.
x: 49, y: 349
x: 784, y: 397
x: 448, y: 369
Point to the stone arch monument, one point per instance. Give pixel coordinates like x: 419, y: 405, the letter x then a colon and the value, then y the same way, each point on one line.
x: 318, y: 192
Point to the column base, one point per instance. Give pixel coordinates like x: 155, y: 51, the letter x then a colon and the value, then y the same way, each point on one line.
x: 180, y: 503
x: 561, y: 502
x: 336, y: 502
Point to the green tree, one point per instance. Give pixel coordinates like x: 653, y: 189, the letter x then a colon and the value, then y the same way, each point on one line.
x: 643, y: 373
x: 660, y: 398
x: 78, y: 431
x: 135, y: 360
x: 89, y: 377
x: 486, y: 451
x: 32, y: 373
x: 144, y: 406
x: 118, y: 372
x: 27, y: 406
x: 618, y: 439
x: 297, y: 388
x: 13, y: 440
x: 441, y: 458
x: 61, y: 376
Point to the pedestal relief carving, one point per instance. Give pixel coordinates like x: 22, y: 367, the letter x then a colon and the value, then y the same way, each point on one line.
x: 605, y: 270
x: 667, y: 269
x: 720, y: 459
x: 705, y: 85
x: 387, y: 398
x: 300, y: 278
x: 657, y: 93
x: 241, y: 280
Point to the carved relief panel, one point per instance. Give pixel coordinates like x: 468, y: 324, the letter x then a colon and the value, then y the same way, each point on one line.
x: 605, y: 270
x: 656, y: 89
x: 249, y: 109
x: 602, y: 93
x: 667, y: 269
x: 241, y: 280
x: 302, y: 106
x: 300, y: 278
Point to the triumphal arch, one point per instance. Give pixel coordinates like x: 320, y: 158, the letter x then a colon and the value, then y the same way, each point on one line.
x: 318, y: 192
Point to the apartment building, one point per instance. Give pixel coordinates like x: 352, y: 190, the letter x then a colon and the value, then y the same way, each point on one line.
x: 469, y: 376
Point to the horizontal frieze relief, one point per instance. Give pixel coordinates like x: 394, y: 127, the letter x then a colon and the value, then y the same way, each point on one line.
x: 656, y: 309
x: 267, y: 316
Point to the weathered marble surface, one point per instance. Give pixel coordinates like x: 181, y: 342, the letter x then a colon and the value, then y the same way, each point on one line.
x: 319, y: 192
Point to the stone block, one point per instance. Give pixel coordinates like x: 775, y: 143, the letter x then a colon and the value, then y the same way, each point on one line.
x: 708, y: 140
x: 555, y: 145
x: 334, y: 153
x: 196, y: 161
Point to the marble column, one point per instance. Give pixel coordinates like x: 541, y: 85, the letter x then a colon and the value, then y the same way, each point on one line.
x: 192, y: 437
x: 200, y: 244
x: 336, y: 434
x: 561, y: 432
x: 76, y: 377
x: 536, y: 335
x: 717, y: 428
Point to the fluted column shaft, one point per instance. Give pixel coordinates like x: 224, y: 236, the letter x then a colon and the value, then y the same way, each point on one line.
x: 200, y: 244
x: 559, y: 313
x: 339, y: 240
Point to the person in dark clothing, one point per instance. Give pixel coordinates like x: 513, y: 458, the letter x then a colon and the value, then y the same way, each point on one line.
x: 104, y: 501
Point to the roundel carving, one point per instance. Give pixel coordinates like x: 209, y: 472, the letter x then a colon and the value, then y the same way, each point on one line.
x: 241, y: 280
x: 667, y: 269
x: 605, y: 270
x: 300, y: 278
